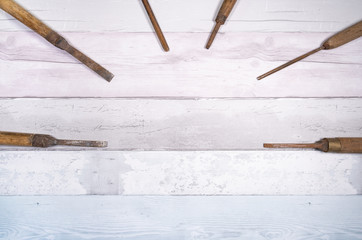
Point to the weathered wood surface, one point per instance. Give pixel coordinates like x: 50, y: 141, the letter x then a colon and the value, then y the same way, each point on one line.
x: 187, y: 99
x: 164, y: 218
x: 174, y: 124
x: 191, y: 15
x: 30, y: 66
x: 179, y: 173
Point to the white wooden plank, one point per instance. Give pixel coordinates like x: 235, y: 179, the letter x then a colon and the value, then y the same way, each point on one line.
x: 30, y: 67
x: 161, y: 218
x: 190, y: 15
x: 174, y: 124
x: 179, y: 173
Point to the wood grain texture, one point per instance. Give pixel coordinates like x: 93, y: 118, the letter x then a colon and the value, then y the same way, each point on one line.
x: 179, y: 173
x: 143, y: 70
x: 17, y: 139
x: 349, y: 34
x: 351, y: 144
x: 176, y: 124
x: 161, y: 218
x: 187, y: 99
x: 18, y: 12
x: 191, y: 15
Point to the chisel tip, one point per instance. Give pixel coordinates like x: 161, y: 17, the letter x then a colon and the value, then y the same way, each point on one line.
x: 108, y: 76
x: 102, y: 144
x: 213, y: 35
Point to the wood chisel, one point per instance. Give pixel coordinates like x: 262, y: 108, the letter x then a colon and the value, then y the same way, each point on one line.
x: 337, y: 145
x: 43, y: 141
x: 337, y: 40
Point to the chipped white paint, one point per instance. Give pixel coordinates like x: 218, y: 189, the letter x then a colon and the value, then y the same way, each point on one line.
x: 167, y: 101
x: 190, y: 15
x: 188, y: 218
x: 179, y: 173
x: 173, y: 124
x: 31, y: 67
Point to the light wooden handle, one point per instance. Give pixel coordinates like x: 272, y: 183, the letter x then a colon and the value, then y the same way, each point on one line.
x: 18, y: 12
x: 343, y: 37
x: 16, y: 139
x: 51, y: 36
x: 345, y: 145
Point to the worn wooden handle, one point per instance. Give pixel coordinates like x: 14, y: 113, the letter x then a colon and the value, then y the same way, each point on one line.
x: 16, y: 139
x: 51, y: 36
x: 349, y: 34
x: 155, y: 25
x: 345, y: 145
x: 225, y: 10
x: 18, y: 12
x: 27, y: 139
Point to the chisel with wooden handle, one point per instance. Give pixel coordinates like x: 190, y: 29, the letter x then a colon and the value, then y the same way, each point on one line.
x: 155, y: 25
x: 18, y: 12
x: 224, y: 12
x: 337, y: 145
x: 337, y: 40
x: 43, y: 141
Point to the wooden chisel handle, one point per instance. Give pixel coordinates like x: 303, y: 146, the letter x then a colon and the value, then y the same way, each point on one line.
x: 25, y: 17
x: 16, y: 139
x: 345, y: 145
x: 347, y: 35
x: 27, y: 139
x: 225, y: 10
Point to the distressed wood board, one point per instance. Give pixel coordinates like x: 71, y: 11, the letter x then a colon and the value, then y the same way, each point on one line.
x: 190, y: 15
x: 188, y: 124
x: 31, y: 67
x: 261, y: 218
x: 201, y: 116
x: 179, y: 173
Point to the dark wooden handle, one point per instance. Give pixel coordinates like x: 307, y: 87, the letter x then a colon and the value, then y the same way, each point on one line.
x: 225, y: 10
x: 343, y: 37
x: 18, y: 12
x: 155, y: 25
x: 345, y: 145
x: 351, y: 145
x: 16, y: 139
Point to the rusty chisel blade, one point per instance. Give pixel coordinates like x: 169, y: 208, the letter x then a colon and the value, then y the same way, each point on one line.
x: 97, y: 68
x: 82, y: 143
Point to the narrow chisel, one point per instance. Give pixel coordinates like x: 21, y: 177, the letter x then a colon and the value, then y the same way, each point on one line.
x: 223, y: 14
x: 337, y: 40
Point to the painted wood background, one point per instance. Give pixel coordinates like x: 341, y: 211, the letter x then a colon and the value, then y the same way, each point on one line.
x: 188, y: 217
x: 190, y: 121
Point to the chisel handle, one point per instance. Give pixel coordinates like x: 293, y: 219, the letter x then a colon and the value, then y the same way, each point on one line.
x: 27, y: 139
x: 25, y: 17
x: 347, y: 35
x: 345, y: 145
x: 16, y: 139
x: 225, y: 10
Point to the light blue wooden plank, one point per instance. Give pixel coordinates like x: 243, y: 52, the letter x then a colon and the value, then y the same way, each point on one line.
x: 192, y: 217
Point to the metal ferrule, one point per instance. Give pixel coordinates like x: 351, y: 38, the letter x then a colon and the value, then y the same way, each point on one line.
x: 57, y: 40
x: 334, y: 145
